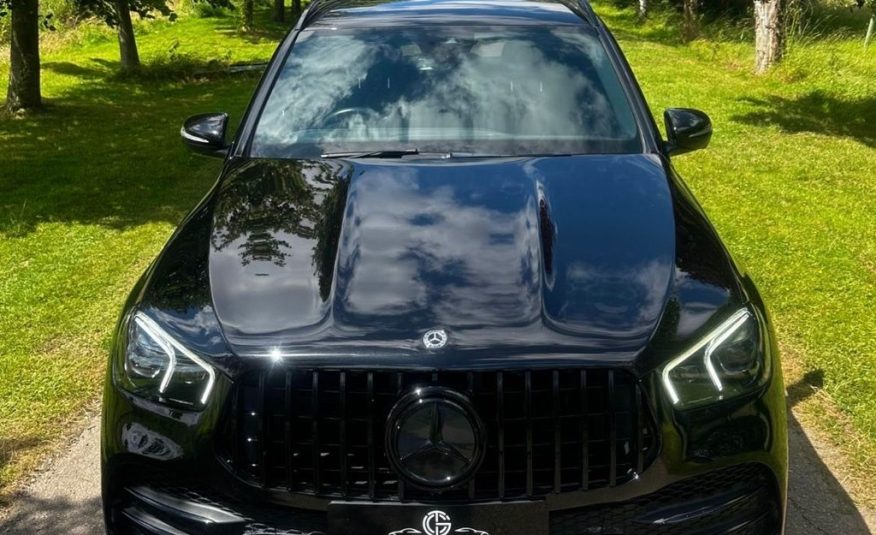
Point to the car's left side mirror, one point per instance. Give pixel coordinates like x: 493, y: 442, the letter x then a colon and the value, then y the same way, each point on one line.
x: 687, y: 130
x: 205, y: 134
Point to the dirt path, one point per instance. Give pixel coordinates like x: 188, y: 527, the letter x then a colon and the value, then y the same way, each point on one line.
x: 64, y: 499
x: 817, y: 502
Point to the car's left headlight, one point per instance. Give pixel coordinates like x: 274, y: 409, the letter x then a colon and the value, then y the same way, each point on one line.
x: 726, y: 363
x: 158, y: 367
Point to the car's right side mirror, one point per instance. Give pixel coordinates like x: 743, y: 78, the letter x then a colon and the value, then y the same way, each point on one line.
x: 687, y: 130
x: 205, y: 134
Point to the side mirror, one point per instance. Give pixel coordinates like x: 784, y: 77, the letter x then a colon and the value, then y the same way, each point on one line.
x: 205, y: 134
x: 687, y: 130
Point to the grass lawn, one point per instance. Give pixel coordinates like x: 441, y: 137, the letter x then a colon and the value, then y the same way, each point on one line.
x: 90, y: 190
x: 790, y: 182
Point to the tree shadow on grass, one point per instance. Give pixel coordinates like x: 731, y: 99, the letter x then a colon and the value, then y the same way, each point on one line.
x: 815, y: 112
x: 626, y: 26
x: 274, y: 33
x: 10, y: 445
x: 664, y: 26
x: 9, y: 448
x: 176, y: 68
x: 74, y: 69
x: 107, y: 152
x: 265, y: 29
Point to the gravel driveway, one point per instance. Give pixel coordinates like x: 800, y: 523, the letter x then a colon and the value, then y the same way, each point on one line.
x: 64, y: 499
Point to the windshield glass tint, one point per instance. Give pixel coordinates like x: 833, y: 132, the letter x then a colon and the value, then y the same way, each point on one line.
x: 505, y: 90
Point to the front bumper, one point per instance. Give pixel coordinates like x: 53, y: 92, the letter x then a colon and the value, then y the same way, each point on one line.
x: 738, y: 499
x: 719, y: 470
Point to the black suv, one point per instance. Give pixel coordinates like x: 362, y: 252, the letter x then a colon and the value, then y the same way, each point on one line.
x: 447, y: 283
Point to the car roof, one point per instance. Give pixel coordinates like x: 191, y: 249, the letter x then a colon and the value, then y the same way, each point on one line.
x: 445, y: 12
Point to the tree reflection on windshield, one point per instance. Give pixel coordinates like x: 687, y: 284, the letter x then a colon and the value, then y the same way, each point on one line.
x: 526, y: 90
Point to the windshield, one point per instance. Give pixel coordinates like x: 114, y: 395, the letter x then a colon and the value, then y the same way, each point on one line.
x: 499, y: 90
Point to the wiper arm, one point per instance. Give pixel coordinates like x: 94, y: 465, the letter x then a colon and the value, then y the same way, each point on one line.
x: 505, y: 155
x: 393, y: 153
x: 462, y: 154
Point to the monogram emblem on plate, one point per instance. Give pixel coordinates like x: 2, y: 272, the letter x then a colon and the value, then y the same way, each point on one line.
x: 438, y: 523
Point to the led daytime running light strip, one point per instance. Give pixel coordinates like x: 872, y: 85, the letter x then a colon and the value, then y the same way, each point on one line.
x: 713, y: 340
x: 170, y: 346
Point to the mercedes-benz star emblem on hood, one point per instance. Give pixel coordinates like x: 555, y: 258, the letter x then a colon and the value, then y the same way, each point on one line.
x: 435, y: 339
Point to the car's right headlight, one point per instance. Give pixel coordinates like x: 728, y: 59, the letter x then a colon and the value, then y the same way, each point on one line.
x: 726, y: 363
x: 158, y: 367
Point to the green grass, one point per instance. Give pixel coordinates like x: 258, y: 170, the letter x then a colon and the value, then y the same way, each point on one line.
x: 789, y: 182
x: 91, y: 188
x: 89, y: 191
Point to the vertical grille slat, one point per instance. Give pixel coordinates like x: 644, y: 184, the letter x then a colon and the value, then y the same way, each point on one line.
x: 288, y: 436
x: 612, y: 432
x: 399, y: 392
x: 584, y: 423
x: 236, y: 437
x: 500, y: 420
x: 315, y: 453
x: 320, y: 432
x: 640, y: 432
x: 372, y: 456
x: 342, y: 434
x: 470, y: 385
x: 527, y: 403
x: 261, y: 446
x: 558, y: 434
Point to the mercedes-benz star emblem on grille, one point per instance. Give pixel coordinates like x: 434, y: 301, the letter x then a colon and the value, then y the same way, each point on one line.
x: 435, y: 440
x: 435, y: 339
x: 438, y: 523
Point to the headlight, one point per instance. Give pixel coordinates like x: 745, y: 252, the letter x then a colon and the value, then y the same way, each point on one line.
x: 727, y: 363
x: 157, y: 367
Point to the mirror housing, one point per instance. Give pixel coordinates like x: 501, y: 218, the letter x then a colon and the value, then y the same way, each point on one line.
x: 205, y: 134
x: 687, y: 130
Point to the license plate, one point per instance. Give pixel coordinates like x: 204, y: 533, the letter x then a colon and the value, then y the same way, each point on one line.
x: 526, y: 518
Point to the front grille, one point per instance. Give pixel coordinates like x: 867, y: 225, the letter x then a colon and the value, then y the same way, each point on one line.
x: 739, y: 500
x: 321, y: 432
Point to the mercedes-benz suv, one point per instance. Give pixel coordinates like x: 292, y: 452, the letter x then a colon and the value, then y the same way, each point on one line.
x: 447, y: 282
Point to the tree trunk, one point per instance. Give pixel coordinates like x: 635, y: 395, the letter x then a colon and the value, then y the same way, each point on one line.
x: 691, y: 28
x: 23, y: 91
x: 130, y: 58
x: 279, y: 10
x: 248, y: 7
x: 769, y: 35
x: 296, y: 8
x: 643, y: 9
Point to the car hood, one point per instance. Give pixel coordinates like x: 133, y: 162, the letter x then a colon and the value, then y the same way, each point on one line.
x: 551, y: 258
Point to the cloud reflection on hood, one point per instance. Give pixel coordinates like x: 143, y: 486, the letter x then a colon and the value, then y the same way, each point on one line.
x: 439, y: 251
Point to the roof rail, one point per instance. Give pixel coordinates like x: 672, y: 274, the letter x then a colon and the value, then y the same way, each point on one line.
x: 314, y: 10
x: 583, y: 9
x: 317, y: 8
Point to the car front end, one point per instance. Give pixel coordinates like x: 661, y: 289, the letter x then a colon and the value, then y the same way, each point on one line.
x: 522, y: 325
x: 569, y: 404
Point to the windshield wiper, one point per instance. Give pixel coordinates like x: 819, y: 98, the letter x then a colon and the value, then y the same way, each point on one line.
x: 393, y: 153
x: 507, y: 155
x: 463, y: 154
